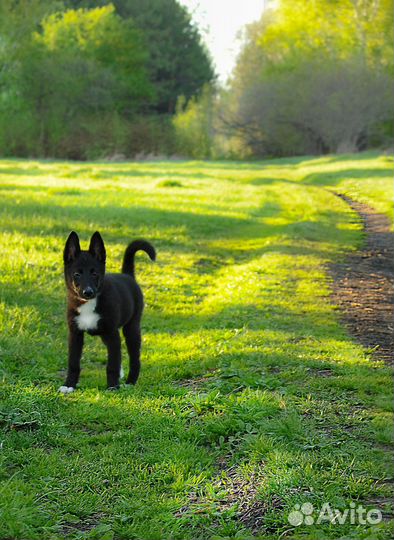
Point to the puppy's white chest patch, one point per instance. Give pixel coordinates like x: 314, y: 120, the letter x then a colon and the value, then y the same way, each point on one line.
x: 87, y: 318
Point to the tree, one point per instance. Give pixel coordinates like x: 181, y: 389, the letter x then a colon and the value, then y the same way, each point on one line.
x: 178, y: 62
x: 101, y: 37
x: 80, y: 78
x: 335, y: 111
x: 18, y: 19
x: 313, y: 77
x: 300, y: 30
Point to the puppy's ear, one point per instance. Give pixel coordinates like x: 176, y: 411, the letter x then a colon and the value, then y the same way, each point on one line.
x: 72, y: 248
x: 96, y: 247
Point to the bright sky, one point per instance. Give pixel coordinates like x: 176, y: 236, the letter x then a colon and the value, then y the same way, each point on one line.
x: 220, y: 21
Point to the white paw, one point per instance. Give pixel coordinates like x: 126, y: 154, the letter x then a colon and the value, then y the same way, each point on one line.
x: 66, y: 389
x: 121, y: 372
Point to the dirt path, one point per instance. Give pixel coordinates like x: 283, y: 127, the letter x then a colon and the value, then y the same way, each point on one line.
x: 364, y: 285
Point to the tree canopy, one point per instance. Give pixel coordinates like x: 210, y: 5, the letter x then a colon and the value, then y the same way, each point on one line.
x: 87, y: 78
x: 110, y: 45
x: 314, y: 77
x: 76, y: 77
x: 178, y: 62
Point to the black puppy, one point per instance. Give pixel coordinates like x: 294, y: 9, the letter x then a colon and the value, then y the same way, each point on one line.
x: 100, y: 304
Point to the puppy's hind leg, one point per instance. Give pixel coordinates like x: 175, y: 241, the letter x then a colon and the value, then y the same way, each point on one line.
x: 132, y: 334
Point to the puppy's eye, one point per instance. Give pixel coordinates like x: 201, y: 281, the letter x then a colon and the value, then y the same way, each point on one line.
x: 94, y: 273
x: 76, y: 275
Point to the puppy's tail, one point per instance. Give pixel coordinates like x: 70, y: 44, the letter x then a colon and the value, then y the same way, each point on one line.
x: 131, y: 250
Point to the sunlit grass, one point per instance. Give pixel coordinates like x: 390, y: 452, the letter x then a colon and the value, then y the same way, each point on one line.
x: 245, y: 362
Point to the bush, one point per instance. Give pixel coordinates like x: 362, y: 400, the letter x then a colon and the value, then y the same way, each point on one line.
x: 194, y: 126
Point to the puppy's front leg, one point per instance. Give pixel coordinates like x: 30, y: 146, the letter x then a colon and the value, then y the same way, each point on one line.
x: 75, y: 345
x: 112, y: 341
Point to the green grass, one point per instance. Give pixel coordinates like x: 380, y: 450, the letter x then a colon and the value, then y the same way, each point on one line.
x: 252, y: 394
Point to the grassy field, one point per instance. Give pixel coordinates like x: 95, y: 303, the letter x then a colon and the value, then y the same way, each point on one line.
x: 253, y: 398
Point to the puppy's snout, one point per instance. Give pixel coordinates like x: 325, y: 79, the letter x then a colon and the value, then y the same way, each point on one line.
x: 88, y: 292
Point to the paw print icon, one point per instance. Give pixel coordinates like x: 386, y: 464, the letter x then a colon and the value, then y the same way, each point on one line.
x: 302, y: 514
